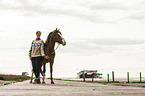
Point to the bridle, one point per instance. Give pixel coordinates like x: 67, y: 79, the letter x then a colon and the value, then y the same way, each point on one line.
x: 57, y: 45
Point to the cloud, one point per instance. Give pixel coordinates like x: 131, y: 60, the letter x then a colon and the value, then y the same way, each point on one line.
x: 44, y: 8
x: 96, y: 11
x: 118, y: 41
x: 114, y: 4
x: 113, y: 11
x: 137, y: 16
x: 99, y: 46
x: 105, y: 5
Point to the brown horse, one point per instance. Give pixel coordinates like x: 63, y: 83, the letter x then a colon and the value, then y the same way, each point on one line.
x: 53, y: 37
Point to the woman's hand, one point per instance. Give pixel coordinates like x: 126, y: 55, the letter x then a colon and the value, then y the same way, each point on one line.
x: 46, y: 57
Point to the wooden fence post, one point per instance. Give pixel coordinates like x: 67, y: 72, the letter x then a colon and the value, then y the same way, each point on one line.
x: 113, y: 76
x: 128, y: 77
x: 108, y: 77
x: 83, y: 76
x: 93, y: 77
x: 140, y: 77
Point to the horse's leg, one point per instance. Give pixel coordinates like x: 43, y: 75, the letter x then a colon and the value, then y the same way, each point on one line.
x: 41, y: 72
x: 51, y: 69
x: 44, y: 70
x: 31, y: 76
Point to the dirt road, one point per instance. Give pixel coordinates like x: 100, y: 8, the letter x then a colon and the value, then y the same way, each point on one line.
x: 68, y: 88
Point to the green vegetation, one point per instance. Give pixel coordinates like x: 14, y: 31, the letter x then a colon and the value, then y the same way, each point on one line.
x: 16, y: 78
x: 115, y: 83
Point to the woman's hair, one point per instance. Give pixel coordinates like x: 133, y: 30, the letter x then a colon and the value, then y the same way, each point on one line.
x: 38, y: 32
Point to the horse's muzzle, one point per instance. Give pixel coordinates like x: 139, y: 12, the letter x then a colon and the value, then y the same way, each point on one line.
x: 63, y: 42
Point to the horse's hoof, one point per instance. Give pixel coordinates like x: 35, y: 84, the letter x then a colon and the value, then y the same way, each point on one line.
x: 52, y: 83
x: 43, y: 82
x: 30, y: 81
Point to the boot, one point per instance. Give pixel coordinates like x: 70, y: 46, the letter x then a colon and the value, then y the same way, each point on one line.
x: 37, y: 81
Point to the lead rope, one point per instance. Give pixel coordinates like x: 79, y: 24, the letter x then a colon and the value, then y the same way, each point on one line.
x: 55, y: 48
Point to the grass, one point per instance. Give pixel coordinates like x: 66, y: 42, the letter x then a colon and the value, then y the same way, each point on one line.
x: 115, y: 83
x: 17, y: 78
x: 86, y: 81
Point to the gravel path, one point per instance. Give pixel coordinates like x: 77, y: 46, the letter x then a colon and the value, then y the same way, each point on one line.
x: 68, y: 88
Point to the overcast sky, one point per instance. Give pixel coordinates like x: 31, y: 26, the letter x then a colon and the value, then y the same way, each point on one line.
x: 107, y: 35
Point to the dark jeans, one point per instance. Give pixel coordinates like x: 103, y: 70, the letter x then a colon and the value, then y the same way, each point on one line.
x: 36, y: 65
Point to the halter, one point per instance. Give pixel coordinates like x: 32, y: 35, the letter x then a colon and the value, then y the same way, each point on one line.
x: 57, y: 45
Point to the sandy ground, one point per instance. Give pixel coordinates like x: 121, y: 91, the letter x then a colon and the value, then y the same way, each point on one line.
x: 68, y: 88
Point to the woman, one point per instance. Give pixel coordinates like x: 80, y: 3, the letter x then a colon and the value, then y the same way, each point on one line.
x: 36, y: 54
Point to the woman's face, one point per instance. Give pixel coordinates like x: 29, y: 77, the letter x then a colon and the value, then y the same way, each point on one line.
x: 38, y: 35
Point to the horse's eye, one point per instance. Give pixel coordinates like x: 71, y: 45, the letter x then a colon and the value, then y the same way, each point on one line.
x: 54, y: 37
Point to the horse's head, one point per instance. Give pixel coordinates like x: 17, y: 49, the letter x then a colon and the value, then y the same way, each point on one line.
x: 58, y: 37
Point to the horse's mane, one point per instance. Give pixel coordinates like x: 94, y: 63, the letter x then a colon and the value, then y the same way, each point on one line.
x: 48, y: 38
